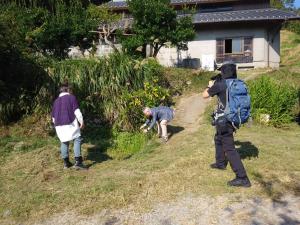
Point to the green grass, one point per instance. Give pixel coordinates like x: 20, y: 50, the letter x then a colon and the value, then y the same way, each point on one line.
x: 127, y: 144
x: 290, y: 49
x: 187, y: 80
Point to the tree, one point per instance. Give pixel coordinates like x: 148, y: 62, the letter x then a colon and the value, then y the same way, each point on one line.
x: 155, y: 23
x: 21, y: 77
x: 293, y: 26
x: 67, y: 25
x: 108, y: 23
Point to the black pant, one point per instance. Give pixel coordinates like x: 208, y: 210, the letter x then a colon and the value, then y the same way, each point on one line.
x: 225, y: 150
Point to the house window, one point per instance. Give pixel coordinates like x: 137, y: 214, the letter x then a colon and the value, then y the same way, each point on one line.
x: 233, y: 46
x: 238, y: 49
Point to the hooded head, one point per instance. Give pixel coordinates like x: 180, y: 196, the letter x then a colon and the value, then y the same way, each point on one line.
x: 228, y: 70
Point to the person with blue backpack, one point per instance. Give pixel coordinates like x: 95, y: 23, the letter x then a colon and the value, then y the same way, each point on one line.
x: 233, y: 110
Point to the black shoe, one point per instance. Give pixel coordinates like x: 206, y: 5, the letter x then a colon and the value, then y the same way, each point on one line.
x: 215, y: 166
x: 240, y: 182
x: 67, y: 163
x: 79, y: 164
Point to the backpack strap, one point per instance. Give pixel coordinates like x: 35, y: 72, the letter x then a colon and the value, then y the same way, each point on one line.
x: 219, y: 100
x: 229, y: 83
x: 220, y: 103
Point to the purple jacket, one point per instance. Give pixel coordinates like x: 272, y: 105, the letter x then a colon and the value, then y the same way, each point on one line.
x: 63, y: 110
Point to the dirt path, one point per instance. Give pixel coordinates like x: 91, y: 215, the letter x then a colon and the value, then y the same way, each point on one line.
x: 192, y: 210
x: 188, y: 112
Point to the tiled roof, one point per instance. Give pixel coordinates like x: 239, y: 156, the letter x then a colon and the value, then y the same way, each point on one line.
x: 244, y: 15
x: 123, y: 4
x: 268, y: 14
x: 117, y: 5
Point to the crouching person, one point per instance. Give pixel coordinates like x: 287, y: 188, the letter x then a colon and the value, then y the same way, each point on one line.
x: 68, y: 121
x: 161, y: 116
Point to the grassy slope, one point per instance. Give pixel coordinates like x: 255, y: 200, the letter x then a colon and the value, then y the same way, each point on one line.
x: 33, y: 184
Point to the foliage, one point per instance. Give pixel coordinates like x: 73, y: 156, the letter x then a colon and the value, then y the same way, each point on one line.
x: 276, y: 99
x: 294, y: 26
x: 16, y: 23
x: 68, y: 25
x: 20, y: 76
x: 283, y: 4
x: 132, y: 45
x: 181, y: 79
x: 51, y: 27
x: 101, y: 14
x: 100, y: 83
x: 156, y: 24
x: 21, y: 80
x: 47, y: 4
x: 108, y: 23
x: 152, y: 95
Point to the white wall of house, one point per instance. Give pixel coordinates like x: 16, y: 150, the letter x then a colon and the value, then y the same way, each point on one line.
x: 275, y: 50
x: 205, y: 44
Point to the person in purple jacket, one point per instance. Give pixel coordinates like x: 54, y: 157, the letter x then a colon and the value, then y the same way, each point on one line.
x: 68, y: 121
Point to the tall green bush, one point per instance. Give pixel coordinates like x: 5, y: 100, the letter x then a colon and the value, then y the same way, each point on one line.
x: 273, y: 98
x: 104, y: 84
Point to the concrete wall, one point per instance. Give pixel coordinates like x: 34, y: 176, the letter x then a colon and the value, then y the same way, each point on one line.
x: 205, y: 44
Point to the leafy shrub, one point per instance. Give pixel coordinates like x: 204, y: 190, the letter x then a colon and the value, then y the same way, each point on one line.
x: 275, y: 99
x: 151, y: 95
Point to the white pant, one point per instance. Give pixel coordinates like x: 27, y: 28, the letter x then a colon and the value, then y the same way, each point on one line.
x: 162, y: 128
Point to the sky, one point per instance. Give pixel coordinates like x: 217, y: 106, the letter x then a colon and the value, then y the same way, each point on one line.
x: 297, y: 3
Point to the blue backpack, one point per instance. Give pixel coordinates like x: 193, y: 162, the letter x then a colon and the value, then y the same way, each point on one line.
x: 238, y: 102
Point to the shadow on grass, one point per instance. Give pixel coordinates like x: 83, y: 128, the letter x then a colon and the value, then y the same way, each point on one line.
x: 276, y: 188
x: 246, y: 150
x: 277, y: 191
x: 101, y: 139
x: 174, y: 130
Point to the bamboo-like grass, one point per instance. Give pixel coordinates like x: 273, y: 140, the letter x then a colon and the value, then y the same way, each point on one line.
x: 100, y: 83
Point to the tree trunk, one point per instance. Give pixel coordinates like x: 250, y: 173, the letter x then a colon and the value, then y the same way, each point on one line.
x: 111, y: 44
x: 156, y: 50
x: 144, y: 51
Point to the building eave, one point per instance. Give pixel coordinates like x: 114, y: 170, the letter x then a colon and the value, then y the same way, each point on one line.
x: 231, y: 17
x: 268, y: 14
x: 123, y: 5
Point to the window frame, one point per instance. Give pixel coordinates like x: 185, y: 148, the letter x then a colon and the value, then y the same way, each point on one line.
x: 242, y: 52
x: 242, y: 57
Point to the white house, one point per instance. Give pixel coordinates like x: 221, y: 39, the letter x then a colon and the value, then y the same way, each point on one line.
x: 245, y: 31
